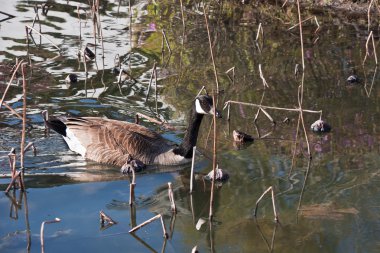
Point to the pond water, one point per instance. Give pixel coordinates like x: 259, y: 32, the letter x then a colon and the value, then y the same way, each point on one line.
x: 339, y: 208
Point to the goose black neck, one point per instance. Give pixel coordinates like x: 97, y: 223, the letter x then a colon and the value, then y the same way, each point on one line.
x: 190, y: 140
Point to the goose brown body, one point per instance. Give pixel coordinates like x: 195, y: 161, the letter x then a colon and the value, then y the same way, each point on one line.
x: 115, y: 142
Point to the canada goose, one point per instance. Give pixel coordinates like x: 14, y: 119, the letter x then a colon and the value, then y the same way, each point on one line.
x: 116, y: 142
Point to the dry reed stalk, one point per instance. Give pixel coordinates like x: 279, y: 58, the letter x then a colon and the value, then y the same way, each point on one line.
x: 80, y: 26
x: 166, y: 125
x: 200, y: 91
x: 10, y: 82
x: 105, y: 218
x: 23, y: 133
x: 270, y: 107
x: 36, y: 17
x: 171, y: 197
x: 318, y: 26
x: 13, y: 181
x: 153, y: 71
x: 301, y: 116
x: 303, y: 21
x: 228, y: 112
x: 158, y: 216
x: 366, y: 48
x: 132, y: 186
x: 369, y: 14
x: 130, y: 38
x: 192, y: 169
x: 31, y: 28
x: 166, y: 41
x: 155, y: 90
x: 259, y: 31
x: 43, y: 228
x: 31, y: 146
x: 183, y: 16
x: 265, y: 84
x: 214, y: 165
x: 12, y: 110
x: 233, y: 75
x: 270, y: 189
x: 259, y: 109
x: 211, y: 51
x: 166, y: 235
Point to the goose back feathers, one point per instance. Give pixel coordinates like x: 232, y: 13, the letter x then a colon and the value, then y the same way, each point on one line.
x: 115, y: 142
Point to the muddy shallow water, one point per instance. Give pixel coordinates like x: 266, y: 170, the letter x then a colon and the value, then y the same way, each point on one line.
x: 339, y: 209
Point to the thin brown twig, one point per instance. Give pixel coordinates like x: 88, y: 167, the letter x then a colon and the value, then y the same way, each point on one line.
x: 270, y: 189
x: 214, y: 165
x: 29, y: 27
x: 10, y: 82
x: 211, y: 51
x: 166, y: 125
x: 269, y: 107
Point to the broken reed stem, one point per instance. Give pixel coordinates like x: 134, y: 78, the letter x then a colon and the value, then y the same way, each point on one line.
x: 10, y: 82
x: 166, y: 235
x: 12, y: 110
x: 259, y: 109
x: 200, y: 91
x: 42, y: 230
x: 166, y: 41
x: 265, y: 84
x: 260, y: 29
x: 150, y: 81
x: 29, y: 27
x: 213, y: 162
x: 366, y: 48
x: 233, y: 74
x: 211, y: 51
x: 158, y: 216
x: 166, y: 125
x: 171, y: 197
x: 269, y: 107
x: 13, y: 181
x: 270, y: 189
x: 105, y: 218
x: 192, y: 169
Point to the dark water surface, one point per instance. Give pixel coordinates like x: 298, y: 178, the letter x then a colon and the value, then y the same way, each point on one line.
x: 340, y: 207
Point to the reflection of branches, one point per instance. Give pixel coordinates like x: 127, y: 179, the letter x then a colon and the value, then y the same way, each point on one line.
x: 29, y: 240
x: 271, y: 246
x: 368, y: 92
x: 303, y: 186
x: 144, y: 243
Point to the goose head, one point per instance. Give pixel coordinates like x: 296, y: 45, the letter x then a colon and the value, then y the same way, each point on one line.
x: 204, y: 105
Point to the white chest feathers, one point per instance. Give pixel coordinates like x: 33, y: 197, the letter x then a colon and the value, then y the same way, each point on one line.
x: 73, y: 143
x: 169, y: 158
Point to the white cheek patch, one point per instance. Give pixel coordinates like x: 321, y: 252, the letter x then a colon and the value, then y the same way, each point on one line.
x: 199, y: 108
